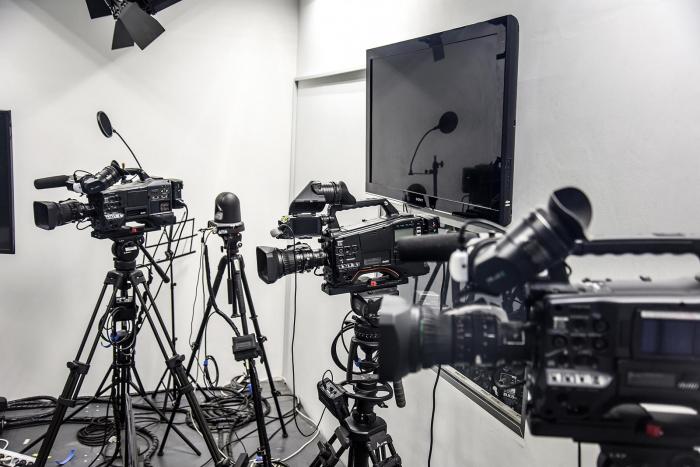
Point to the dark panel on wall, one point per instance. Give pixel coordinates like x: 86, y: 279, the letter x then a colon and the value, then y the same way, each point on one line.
x: 7, y: 222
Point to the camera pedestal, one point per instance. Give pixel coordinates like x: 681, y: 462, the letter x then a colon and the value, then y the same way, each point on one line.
x: 361, y: 432
x: 128, y: 316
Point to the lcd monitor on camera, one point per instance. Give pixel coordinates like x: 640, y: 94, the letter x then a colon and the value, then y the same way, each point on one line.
x: 441, y: 120
x: 7, y: 225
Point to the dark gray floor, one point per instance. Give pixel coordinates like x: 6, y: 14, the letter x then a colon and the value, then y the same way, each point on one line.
x: 177, y: 453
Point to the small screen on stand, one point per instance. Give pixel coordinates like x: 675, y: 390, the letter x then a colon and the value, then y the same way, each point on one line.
x: 7, y: 227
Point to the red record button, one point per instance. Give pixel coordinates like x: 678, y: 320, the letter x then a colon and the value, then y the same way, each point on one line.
x: 654, y: 431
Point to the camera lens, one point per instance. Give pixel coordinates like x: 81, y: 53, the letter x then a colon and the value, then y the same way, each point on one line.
x: 105, y: 178
x: 335, y: 193
x: 414, y: 337
x: 274, y: 263
x: 411, y: 338
x: 540, y: 241
x: 49, y: 215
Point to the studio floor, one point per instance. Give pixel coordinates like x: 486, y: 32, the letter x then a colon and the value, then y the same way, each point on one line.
x: 177, y: 453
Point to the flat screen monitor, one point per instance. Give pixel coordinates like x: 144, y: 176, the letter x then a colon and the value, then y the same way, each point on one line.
x: 441, y: 120
x: 7, y: 223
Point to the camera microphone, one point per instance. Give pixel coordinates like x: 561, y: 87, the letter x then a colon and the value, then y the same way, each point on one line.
x: 57, y: 181
x: 434, y: 247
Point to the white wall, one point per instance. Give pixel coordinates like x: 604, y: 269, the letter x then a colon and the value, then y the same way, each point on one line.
x: 209, y: 102
x: 607, y: 96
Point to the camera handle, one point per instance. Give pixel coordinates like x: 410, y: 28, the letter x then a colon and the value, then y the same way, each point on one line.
x: 655, y: 245
x: 384, y: 203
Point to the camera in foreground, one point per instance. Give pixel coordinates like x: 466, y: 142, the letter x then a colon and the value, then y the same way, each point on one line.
x: 353, y: 258
x: 594, y: 352
x: 114, y: 201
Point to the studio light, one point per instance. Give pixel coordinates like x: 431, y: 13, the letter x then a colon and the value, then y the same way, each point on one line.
x: 134, y: 23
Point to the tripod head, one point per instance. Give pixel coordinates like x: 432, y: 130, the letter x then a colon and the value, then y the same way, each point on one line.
x: 126, y: 246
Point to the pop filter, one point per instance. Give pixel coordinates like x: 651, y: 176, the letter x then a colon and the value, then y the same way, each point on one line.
x: 448, y: 122
x: 104, y: 124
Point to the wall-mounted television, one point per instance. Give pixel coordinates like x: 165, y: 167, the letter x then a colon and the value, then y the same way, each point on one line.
x: 7, y: 221
x: 441, y: 120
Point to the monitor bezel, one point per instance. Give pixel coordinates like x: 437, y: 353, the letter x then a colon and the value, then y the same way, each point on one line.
x: 6, y: 119
x: 494, y: 26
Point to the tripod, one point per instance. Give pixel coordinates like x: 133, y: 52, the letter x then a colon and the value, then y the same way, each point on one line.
x: 247, y: 346
x: 361, y: 432
x: 127, y: 315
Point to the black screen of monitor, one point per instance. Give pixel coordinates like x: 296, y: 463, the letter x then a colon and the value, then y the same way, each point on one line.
x: 411, y: 85
x: 7, y: 226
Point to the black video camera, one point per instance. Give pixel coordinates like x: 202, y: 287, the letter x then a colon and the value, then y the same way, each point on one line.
x: 594, y: 352
x: 348, y: 255
x: 110, y: 206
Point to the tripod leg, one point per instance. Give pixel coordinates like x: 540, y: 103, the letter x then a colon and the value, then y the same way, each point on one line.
x: 100, y: 390
x: 152, y: 404
x: 196, y: 345
x: 327, y: 456
x: 238, y: 291
x: 263, y: 355
x: 195, y: 349
x: 174, y: 364
x: 130, y: 451
x: 78, y: 371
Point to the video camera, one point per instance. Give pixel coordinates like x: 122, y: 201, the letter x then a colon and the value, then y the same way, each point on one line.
x: 594, y: 352
x: 110, y: 206
x: 347, y: 254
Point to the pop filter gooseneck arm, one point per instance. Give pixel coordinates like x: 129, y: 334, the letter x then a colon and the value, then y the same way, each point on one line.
x: 410, y: 167
x: 447, y: 124
x: 108, y: 130
x: 129, y: 148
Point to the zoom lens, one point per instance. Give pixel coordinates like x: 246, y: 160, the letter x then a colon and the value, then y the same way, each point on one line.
x: 274, y: 263
x: 540, y: 241
x: 334, y: 193
x: 415, y: 337
x: 49, y: 215
x: 102, y: 180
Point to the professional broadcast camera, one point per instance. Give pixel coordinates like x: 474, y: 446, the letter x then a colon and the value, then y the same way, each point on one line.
x: 348, y: 254
x: 594, y: 351
x: 110, y: 206
x: 360, y: 260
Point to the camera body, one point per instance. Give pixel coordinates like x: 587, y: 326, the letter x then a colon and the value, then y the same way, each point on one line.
x: 594, y: 353
x: 347, y: 254
x: 603, y: 344
x: 149, y: 202
x: 368, y: 247
x: 113, y: 201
